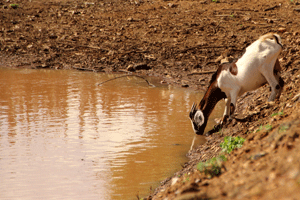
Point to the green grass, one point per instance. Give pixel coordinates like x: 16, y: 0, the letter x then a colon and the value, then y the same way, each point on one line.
x: 212, y: 167
x: 231, y: 143
x: 279, y: 113
x: 14, y: 5
x: 283, y: 127
x: 267, y: 127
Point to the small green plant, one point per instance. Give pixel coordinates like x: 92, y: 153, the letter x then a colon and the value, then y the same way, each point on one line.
x: 15, y: 6
x: 186, y: 178
x: 213, y: 166
x: 279, y: 113
x: 284, y: 127
x: 259, y: 128
x: 231, y: 143
x: 268, y: 127
x: 216, y: 1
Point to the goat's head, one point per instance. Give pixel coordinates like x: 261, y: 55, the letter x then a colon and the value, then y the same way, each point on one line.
x: 198, y: 120
x: 199, y: 114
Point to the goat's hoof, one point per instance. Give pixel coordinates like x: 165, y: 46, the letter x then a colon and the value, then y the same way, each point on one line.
x: 224, y: 119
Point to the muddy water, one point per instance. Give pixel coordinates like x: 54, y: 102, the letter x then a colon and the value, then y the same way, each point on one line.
x: 63, y: 137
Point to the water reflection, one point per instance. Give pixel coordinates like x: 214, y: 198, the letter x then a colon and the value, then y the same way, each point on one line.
x: 62, y: 136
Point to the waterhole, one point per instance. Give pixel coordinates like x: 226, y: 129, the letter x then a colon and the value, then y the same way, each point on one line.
x: 64, y: 137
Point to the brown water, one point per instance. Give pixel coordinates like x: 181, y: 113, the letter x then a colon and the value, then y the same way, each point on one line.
x: 64, y: 137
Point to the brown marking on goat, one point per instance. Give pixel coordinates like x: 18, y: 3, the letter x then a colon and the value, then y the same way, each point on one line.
x: 213, y: 94
x: 231, y: 67
x: 224, y: 66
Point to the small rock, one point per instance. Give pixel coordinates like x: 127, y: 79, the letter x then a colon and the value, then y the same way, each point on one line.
x: 130, y: 19
x: 296, y: 97
x: 259, y: 155
x: 174, y: 180
x: 172, y: 5
x: 141, y: 66
x: 184, y: 83
x: 281, y: 30
x: 52, y: 36
x: 293, y: 173
x: 130, y: 68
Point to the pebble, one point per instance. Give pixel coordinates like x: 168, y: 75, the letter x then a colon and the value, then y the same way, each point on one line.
x: 184, y: 83
x: 130, y: 68
x: 281, y: 30
x: 174, y: 180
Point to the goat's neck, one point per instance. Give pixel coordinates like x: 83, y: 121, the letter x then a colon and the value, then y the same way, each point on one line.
x: 212, y: 96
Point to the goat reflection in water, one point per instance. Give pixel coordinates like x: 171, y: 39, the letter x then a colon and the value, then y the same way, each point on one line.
x: 258, y: 65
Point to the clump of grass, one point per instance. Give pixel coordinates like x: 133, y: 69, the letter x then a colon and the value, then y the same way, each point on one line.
x: 279, y: 113
x: 284, y: 127
x: 231, y: 143
x: 213, y: 166
x: 267, y: 127
x: 14, y: 6
x: 259, y: 128
x: 186, y: 179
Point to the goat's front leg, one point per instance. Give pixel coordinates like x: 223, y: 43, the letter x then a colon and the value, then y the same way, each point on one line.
x: 230, y: 106
x: 226, y: 111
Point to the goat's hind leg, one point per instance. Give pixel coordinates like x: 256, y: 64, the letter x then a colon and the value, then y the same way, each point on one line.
x: 277, y: 69
x: 274, y: 81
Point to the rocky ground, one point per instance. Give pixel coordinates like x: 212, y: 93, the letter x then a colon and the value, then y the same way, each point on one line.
x: 182, y: 42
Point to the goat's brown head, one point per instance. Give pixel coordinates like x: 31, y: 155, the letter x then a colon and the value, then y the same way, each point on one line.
x: 198, y: 120
x: 199, y: 114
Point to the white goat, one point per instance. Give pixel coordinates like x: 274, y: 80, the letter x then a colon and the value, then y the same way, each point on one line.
x: 258, y: 65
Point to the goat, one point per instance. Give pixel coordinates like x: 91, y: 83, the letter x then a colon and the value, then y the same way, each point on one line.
x: 257, y: 66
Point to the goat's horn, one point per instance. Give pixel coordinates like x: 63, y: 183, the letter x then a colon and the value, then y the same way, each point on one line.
x: 193, y: 110
x: 193, y: 107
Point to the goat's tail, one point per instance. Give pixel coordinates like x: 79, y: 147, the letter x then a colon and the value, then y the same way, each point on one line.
x: 272, y: 36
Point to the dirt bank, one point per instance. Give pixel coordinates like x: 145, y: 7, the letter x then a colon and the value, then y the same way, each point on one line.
x: 178, y: 41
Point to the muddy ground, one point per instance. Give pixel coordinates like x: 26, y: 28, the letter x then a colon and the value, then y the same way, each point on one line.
x: 182, y: 42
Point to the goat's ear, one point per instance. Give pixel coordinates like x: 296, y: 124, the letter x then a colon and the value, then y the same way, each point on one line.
x: 199, y: 118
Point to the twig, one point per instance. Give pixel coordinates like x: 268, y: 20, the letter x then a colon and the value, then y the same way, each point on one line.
x: 83, y: 46
x: 271, y: 8
x: 150, y: 84
x: 83, y: 69
x: 239, y: 9
x: 203, y: 47
x: 133, y: 51
x: 203, y: 72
